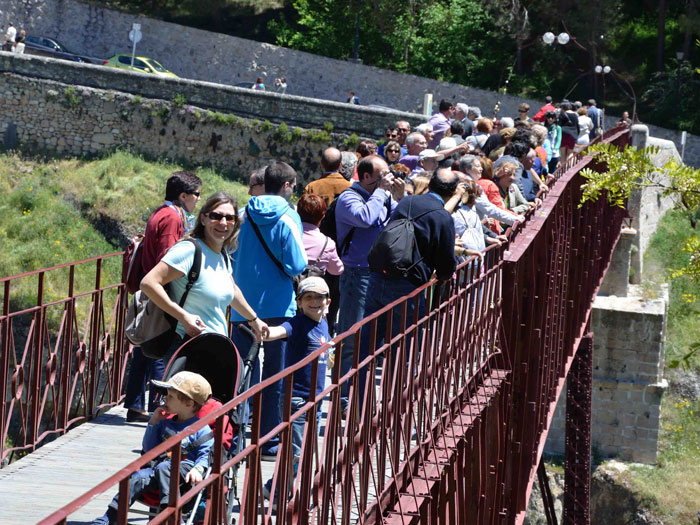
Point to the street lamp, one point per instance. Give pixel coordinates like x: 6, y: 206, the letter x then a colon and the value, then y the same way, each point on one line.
x: 549, y: 38
x: 604, y: 70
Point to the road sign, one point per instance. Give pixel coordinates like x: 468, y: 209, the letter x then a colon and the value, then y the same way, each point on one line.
x: 135, y: 34
x: 135, y: 37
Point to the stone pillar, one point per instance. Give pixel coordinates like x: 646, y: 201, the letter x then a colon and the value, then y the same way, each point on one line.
x: 617, y: 277
x: 628, y: 363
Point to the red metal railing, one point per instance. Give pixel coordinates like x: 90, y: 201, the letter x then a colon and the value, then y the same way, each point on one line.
x: 453, y: 436
x: 60, y: 360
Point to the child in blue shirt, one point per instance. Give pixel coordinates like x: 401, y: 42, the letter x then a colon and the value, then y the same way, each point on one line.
x: 187, y: 392
x: 306, y: 332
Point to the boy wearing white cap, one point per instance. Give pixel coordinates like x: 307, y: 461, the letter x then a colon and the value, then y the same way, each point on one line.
x: 306, y: 332
x: 186, y: 393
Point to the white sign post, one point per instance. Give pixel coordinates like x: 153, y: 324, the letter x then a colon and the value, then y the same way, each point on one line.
x: 428, y: 104
x: 135, y: 37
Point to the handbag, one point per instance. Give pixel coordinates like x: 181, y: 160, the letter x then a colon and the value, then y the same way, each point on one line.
x: 150, y: 327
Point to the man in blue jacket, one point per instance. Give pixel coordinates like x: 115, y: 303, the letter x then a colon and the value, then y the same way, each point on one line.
x: 263, y: 266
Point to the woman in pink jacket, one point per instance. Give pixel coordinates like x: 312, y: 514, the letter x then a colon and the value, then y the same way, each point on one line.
x: 320, y: 249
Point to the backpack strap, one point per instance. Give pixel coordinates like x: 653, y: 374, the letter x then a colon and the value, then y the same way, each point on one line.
x: 264, y: 244
x: 412, y: 219
x: 193, y: 274
x: 322, y: 250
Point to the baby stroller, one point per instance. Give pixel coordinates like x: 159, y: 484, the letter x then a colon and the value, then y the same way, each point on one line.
x: 216, y: 358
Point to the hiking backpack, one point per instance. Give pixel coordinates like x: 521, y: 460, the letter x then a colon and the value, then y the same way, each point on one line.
x: 132, y: 261
x: 328, y: 225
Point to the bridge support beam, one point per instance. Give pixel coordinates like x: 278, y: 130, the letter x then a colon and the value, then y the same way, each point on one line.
x: 577, y: 466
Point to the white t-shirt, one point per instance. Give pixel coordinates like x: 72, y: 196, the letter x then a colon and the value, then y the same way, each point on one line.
x: 11, y: 34
x: 210, y: 294
x: 585, y: 125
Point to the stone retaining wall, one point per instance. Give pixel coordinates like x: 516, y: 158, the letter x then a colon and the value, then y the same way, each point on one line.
x: 51, y: 116
x: 93, y: 30
x: 297, y: 111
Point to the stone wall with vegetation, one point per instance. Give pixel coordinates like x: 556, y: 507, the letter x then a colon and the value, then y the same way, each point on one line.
x: 299, y: 111
x: 59, y: 118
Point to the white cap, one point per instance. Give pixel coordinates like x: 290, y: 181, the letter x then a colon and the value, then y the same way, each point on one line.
x: 430, y: 154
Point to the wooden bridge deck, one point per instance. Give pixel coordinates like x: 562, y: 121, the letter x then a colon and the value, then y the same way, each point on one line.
x: 44, y: 481
x: 54, y: 475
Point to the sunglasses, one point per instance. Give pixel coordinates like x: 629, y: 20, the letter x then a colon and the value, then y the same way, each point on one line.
x: 216, y: 216
x: 392, y: 151
x: 195, y: 193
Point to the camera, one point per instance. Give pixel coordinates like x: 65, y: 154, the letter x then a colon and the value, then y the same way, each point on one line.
x: 397, y: 173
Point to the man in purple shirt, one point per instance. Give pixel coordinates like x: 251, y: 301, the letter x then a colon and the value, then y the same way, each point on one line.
x: 441, y: 122
x: 360, y: 214
x: 415, y: 143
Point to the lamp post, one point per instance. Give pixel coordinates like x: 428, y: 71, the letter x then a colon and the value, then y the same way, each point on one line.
x: 604, y: 70
x: 679, y: 59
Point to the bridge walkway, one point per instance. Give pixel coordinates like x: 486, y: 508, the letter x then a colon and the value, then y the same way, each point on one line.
x: 36, y: 485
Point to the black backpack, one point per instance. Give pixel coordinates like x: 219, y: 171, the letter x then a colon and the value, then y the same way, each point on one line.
x: 328, y: 226
x: 394, y: 251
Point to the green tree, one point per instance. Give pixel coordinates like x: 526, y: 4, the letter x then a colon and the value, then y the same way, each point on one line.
x: 631, y: 169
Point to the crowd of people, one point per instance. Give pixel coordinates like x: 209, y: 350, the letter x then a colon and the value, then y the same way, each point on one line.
x: 300, y: 274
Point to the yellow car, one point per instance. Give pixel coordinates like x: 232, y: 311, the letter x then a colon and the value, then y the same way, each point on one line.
x: 142, y: 64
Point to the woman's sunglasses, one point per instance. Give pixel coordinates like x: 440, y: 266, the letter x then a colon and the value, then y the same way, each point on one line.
x: 216, y: 216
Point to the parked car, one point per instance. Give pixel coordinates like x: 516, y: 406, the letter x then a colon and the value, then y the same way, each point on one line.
x: 41, y: 45
x: 142, y: 64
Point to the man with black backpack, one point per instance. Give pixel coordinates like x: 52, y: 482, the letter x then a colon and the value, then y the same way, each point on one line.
x: 418, y: 240
x: 361, y: 212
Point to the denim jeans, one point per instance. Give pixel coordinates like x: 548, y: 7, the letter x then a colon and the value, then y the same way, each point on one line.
x: 353, y: 293
x: 381, y: 293
x: 153, y: 478
x: 141, y: 371
x: 298, y: 427
x: 273, y: 362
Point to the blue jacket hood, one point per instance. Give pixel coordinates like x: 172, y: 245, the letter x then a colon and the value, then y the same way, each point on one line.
x: 267, y: 209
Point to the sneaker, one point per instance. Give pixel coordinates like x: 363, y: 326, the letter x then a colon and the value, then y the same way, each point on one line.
x: 269, y: 454
x: 134, y: 416
x: 267, y: 487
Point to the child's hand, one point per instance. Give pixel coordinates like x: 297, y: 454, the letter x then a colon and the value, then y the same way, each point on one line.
x: 194, y: 476
x: 158, y: 414
x: 260, y: 329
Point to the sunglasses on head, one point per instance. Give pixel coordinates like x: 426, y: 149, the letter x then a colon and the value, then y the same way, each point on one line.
x: 216, y: 216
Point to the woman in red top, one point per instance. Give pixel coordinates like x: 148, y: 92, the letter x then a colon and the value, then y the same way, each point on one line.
x: 481, y: 172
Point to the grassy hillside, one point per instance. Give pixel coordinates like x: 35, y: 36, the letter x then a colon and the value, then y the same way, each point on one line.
x: 58, y: 211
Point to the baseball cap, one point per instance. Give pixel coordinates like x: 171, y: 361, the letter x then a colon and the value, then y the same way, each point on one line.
x: 446, y: 143
x: 192, y: 385
x: 430, y: 154
x: 313, y: 284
